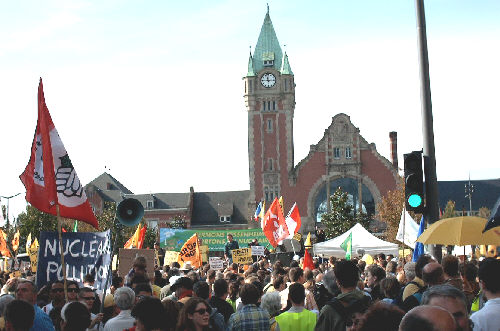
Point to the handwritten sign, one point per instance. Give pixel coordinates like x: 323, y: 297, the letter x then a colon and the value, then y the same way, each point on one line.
x: 84, y: 253
x: 258, y: 250
x: 216, y: 263
x: 170, y: 256
x: 242, y: 256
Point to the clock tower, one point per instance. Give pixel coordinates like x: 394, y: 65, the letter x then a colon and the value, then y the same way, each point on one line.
x: 270, y: 102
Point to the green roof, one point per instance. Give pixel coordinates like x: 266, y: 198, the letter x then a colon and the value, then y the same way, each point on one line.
x: 285, y: 67
x: 268, y: 47
x: 250, y: 72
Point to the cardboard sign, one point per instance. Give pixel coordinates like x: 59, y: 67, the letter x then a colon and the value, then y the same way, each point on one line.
x: 216, y: 263
x: 84, y: 253
x: 257, y: 250
x: 170, y: 256
x: 126, y: 260
x: 242, y: 256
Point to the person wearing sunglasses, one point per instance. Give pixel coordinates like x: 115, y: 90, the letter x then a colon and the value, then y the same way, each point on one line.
x: 73, y: 290
x: 56, y: 296
x: 195, y: 316
x: 87, y: 297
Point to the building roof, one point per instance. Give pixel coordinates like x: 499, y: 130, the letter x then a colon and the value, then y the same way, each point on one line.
x: 106, y: 182
x: 251, y: 72
x: 285, y: 67
x: 163, y: 200
x: 209, y: 206
x: 268, y: 46
x: 485, y: 193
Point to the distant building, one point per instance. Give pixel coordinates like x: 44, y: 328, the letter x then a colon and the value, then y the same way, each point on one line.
x: 341, y: 158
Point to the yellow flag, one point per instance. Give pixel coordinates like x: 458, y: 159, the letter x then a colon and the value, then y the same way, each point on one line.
x: 28, y: 243
x: 15, y: 241
x: 134, y: 240
x: 190, y: 252
x: 33, y: 253
x: 280, y: 200
x: 3, y: 244
x: 308, y: 243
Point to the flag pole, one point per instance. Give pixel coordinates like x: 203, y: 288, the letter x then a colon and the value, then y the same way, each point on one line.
x: 63, y: 266
x: 404, y: 221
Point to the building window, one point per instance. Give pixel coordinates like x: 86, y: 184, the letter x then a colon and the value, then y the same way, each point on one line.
x: 269, y: 125
x: 348, y: 153
x: 336, y: 153
x: 225, y: 219
x: 153, y: 224
x: 250, y: 83
x: 269, y: 105
x: 286, y: 84
x: 274, y: 105
x: 270, y: 162
x: 268, y: 63
x: 150, y: 204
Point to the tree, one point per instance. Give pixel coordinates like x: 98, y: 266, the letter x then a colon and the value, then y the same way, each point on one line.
x: 341, y: 216
x: 449, y: 210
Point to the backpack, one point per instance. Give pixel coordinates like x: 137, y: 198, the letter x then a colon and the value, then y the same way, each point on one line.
x: 346, y: 312
x: 413, y: 300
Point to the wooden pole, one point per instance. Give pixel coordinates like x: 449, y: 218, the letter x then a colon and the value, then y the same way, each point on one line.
x: 63, y: 266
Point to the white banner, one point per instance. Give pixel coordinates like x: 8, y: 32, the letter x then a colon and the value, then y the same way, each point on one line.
x: 216, y: 263
x: 257, y: 250
x: 410, y: 230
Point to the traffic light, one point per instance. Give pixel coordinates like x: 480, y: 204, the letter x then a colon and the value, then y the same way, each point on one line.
x: 414, y: 182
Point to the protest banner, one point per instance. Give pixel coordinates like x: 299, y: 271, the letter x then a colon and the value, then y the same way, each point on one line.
x: 190, y: 252
x: 257, y: 250
x: 242, y: 256
x: 170, y: 256
x: 173, y: 239
x: 126, y: 258
x: 84, y: 253
x: 216, y: 263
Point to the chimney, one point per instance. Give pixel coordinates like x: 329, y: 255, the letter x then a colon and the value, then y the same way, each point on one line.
x: 393, y: 136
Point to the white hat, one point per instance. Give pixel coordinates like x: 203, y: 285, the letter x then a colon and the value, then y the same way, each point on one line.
x: 173, y: 279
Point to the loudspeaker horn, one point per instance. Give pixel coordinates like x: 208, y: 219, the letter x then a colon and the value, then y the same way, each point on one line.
x: 129, y: 212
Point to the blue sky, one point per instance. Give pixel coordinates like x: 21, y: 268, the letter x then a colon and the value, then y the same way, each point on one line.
x: 153, y: 89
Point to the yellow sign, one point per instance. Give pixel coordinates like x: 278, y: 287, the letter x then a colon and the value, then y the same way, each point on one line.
x: 33, y: 253
x: 204, y: 253
x: 114, y: 262
x: 242, y: 256
x: 170, y: 256
x: 297, y: 236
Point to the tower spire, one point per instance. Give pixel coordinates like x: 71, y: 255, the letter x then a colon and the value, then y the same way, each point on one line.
x: 268, y: 51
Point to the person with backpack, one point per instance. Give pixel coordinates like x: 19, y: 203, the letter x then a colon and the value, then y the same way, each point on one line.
x: 337, y: 313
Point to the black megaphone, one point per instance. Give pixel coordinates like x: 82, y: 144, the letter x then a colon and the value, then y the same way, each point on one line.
x: 129, y: 212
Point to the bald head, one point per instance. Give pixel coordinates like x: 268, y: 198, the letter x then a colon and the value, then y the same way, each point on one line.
x: 428, y: 318
x: 433, y: 274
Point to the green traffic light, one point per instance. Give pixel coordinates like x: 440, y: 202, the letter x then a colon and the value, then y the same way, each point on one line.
x: 415, y: 200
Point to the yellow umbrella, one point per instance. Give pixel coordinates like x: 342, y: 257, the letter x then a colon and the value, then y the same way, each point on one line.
x: 459, y: 231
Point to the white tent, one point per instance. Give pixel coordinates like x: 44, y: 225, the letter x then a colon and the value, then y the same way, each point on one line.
x: 361, y: 239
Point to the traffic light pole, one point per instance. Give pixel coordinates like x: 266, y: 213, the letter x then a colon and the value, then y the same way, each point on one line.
x: 431, y: 188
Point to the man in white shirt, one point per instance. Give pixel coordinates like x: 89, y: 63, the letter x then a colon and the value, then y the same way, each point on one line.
x: 124, y: 298
x: 488, y: 317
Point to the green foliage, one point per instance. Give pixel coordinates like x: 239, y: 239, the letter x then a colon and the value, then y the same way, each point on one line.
x: 179, y: 222
x: 449, y: 210
x: 341, y: 216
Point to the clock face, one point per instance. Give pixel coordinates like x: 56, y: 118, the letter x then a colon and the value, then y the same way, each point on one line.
x: 268, y: 80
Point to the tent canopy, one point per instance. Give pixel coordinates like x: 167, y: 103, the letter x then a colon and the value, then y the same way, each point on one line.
x: 361, y: 239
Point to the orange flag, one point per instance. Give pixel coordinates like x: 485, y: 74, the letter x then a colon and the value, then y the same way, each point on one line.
x: 274, y: 225
x: 15, y: 241
x: 190, y: 252
x: 3, y: 244
x: 142, y: 236
x: 134, y: 240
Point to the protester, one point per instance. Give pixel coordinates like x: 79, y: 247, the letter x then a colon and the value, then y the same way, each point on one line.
x: 297, y: 317
x: 381, y: 317
x: 19, y: 316
x: 453, y: 300
x: 202, y: 290
x: 124, y: 299
x: 228, y: 247
x: 194, y: 316
x: 428, y: 318
x: 335, y: 314
x: 249, y: 317
x: 73, y: 290
x: 488, y: 317
x: 390, y: 289
x: 75, y: 317
x: 450, y: 266
x: 433, y: 274
x: 374, y: 275
x: 56, y: 295
x: 182, y: 290
x: 218, y: 300
x: 26, y: 290
x: 271, y: 302
x: 87, y: 297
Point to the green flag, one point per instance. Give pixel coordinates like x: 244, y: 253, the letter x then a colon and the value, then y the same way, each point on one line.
x: 347, y: 246
x: 75, y: 228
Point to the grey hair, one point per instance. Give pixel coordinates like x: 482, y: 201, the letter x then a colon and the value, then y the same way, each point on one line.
x: 219, y: 275
x: 124, y: 298
x: 444, y: 290
x: 4, y: 301
x: 271, y: 302
x: 409, y: 269
x: 330, y: 282
x: 33, y: 285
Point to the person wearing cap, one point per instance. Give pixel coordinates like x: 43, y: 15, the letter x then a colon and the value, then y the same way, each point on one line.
x: 182, y: 290
x: 124, y: 299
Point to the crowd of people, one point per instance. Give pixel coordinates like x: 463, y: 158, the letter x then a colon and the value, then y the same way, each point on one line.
x: 335, y: 295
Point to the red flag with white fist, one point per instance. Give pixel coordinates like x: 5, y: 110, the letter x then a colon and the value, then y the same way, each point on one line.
x: 50, y: 178
x: 274, y: 225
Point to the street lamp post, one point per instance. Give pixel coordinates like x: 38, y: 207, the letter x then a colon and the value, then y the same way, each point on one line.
x: 8, y: 203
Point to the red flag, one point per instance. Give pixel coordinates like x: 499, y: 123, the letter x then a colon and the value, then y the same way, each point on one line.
x: 293, y: 221
x: 63, y: 229
x: 50, y: 178
x: 274, y: 225
x: 142, y: 235
x: 308, y: 261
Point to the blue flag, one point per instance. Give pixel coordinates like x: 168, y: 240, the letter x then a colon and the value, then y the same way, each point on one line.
x: 258, y: 212
x: 419, y: 247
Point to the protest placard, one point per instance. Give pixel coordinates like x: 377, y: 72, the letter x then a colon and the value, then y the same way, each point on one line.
x: 257, y: 250
x: 216, y: 263
x: 242, y: 256
x: 126, y: 260
x: 170, y: 256
x: 84, y: 253
x: 297, y: 236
